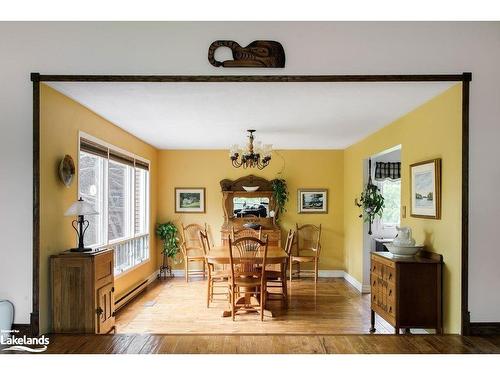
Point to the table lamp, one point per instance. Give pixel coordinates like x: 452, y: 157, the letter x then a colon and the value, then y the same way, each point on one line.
x: 80, y: 208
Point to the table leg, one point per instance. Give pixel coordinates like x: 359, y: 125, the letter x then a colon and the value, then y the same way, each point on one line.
x: 247, y: 299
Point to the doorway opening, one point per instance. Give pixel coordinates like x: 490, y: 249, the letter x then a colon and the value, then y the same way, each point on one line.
x: 384, y: 168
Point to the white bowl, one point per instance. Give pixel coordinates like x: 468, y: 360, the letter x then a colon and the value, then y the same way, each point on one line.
x: 403, y: 251
x: 251, y: 188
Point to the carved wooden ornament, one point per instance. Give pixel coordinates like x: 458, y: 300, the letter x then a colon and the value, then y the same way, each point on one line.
x: 258, y: 54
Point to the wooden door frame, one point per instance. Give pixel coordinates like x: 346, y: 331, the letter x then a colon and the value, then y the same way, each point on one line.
x: 464, y: 78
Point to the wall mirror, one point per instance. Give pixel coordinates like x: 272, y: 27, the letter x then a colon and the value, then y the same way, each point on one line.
x: 250, y: 206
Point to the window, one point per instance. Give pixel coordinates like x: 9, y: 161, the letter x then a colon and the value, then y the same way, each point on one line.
x: 91, y: 185
x: 117, y: 185
x: 391, y: 191
x: 141, y: 222
x: 119, y: 201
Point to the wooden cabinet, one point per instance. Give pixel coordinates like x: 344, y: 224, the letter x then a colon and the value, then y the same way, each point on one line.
x: 83, y: 292
x: 273, y: 236
x: 406, y: 292
x: 232, y: 190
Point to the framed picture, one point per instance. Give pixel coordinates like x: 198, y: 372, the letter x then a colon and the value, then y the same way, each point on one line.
x: 312, y: 201
x: 425, y: 189
x: 190, y: 200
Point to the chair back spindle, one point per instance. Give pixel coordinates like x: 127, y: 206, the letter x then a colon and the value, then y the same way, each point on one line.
x: 248, y: 257
x: 191, y: 241
x: 205, y: 244
x: 246, y: 232
x: 308, y: 239
x: 289, y: 242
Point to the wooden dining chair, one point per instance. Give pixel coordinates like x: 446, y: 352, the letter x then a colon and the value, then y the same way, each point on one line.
x: 277, y: 278
x: 192, y: 249
x: 308, y: 248
x: 247, y: 258
x: 246, y: 232
x: 217, y: 277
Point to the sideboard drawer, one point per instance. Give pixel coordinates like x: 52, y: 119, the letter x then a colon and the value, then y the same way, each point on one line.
x: 389, y: 274
x: 391, y: 292
x: 377, y: 269
x: 374, y: 282
x: 274, y: 237
x: 391, y: 307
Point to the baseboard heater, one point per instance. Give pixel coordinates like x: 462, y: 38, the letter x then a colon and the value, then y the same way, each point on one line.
x: 130, y: 295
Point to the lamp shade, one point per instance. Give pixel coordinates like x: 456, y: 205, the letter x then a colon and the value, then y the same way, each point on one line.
x: 80, y: 207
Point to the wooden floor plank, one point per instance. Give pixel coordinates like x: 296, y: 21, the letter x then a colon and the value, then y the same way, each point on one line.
x: 272, y: 344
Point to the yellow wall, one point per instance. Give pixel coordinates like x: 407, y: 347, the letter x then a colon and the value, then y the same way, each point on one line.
x: 61, y: 119
x: 431, y: 131
x: 302, y: 169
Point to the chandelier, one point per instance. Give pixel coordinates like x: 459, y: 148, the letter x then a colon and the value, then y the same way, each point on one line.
x: 251, y: 156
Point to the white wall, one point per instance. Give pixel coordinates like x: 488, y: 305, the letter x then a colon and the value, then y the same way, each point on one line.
x: 311, y: 48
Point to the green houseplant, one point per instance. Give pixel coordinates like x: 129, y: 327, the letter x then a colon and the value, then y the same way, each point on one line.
x: 280, y: 195
x: 168, y: 232
x: 372, y: 204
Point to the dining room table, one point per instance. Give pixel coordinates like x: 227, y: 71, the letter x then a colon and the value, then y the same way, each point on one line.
x: 275, y: 256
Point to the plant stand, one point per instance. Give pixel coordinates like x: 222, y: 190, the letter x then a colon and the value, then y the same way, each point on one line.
x: 165, y: 269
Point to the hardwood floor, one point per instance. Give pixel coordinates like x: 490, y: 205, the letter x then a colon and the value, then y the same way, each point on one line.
x: 283, y: 344
x: 177, y: 307
x: 308, y: 326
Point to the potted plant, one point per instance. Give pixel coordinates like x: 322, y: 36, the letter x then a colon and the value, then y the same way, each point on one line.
x: 371, y: 203
x: 280, y: 195
x: 167, y: 232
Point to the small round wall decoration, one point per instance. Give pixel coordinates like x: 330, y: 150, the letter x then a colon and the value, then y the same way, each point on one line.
x: 67, y: 170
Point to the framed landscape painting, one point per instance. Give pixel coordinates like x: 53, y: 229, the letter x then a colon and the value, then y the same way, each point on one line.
x: 425, y: 189
x: 190, y: 200
x: 312, y: 201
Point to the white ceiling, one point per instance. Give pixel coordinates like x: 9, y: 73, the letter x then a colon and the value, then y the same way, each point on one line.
x: 216, y: 115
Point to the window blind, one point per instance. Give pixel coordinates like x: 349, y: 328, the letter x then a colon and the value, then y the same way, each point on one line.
x: 121, y: 158
x: 98, y: 149
x: 141, y: 165
x: 93, y: 148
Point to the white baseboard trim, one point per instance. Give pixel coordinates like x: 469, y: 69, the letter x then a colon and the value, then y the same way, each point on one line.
x: 331, y: 273
x: 322, y: 273
x: 137, y: 291
x: 178, y: 273
x: 355, y: 283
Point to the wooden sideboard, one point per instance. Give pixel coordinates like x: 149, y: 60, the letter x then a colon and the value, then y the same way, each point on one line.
x: 407, y: 292
x: 273, y: 236
x: 235, y: 189
x: 83, y: 292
